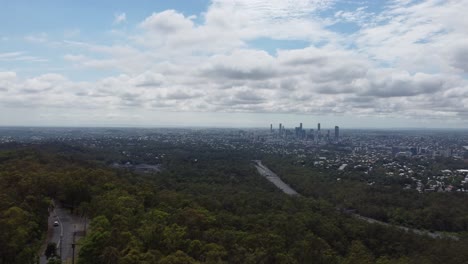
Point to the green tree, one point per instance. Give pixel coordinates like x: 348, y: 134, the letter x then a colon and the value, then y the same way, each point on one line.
x: 179, y: 257
x: 174, y: 237
x: 359, y: 254
x: 54, y: 260
x: 51, y: 250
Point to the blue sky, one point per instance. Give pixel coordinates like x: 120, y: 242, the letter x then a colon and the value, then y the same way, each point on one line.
x: 399, y: 63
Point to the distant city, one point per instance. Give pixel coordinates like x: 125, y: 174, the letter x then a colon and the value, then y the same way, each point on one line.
x: 422, y: 160
x: 301, y: 133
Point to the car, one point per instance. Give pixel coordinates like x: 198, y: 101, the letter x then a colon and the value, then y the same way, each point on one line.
x: 56, y: 223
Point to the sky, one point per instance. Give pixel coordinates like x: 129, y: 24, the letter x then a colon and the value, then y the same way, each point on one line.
x: 236, y: 63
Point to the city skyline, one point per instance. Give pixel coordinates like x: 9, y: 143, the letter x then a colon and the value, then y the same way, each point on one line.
x: 213, y: 63
x: 308, y: 134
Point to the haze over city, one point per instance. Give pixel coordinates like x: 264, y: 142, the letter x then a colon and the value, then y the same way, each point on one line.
x: 245, y: 63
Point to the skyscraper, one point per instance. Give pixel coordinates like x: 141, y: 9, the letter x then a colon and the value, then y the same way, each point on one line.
x: 337, y: 133
x: 271, y: 128
x: 299, y: 131
x: 318, y: 133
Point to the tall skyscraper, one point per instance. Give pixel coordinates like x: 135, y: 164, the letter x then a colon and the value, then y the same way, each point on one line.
x: 271, y: 128
x: 337, y: 133
x: 318, y: 133
x: 299, y: 131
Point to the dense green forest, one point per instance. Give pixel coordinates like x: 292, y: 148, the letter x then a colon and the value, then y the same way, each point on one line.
x: 215, y: 210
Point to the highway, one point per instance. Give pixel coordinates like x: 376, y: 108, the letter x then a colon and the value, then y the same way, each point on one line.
x: 69, y: 226
x: 416, y: 231
x: 272, y: 177
x: 276, y: 180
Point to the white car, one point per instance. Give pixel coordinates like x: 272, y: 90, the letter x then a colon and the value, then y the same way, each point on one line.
x: 56, y: 223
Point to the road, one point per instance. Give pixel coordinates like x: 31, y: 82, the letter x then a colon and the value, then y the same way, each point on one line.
x: 69, y: 226
x: 272, y: 177
x: 276, y: 180
x: 416, y: 231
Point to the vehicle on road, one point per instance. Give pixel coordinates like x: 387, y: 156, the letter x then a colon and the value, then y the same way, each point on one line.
x: 56, y: 223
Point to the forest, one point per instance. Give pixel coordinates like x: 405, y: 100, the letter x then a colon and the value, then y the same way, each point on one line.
x: 215, y: 210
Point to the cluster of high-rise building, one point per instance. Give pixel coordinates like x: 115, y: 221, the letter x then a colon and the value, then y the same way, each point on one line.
x: 301, y: 133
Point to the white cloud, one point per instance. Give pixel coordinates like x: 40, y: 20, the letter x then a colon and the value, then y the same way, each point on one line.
x: 421, y: 36
x: 72, y: 33
x: 120, y: 18
x: 407, y: 61
x: 19, y: 56
x: 9, y: 55
x: 37, y: 38
x: 360, y: 16
x: 167, y: 22
x: 296, y: 19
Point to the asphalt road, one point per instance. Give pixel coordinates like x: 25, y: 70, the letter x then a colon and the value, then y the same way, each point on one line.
x: 272, y: 177
x: 407, y: 229
x: 69, y: 226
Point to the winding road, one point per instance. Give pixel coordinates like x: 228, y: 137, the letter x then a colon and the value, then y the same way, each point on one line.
x: 276, y: 180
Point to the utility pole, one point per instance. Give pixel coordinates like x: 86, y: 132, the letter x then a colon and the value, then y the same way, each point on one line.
x: 73, y: 253
x: 85, y: 226
x: 61, y: 245
x: 73, y: 245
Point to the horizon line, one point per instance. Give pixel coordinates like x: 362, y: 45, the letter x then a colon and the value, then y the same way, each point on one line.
x: 226, y: 127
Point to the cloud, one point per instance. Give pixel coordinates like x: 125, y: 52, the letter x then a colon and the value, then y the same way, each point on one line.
x: 181, y: 95
x: 359, y: 16
x: 296, y: 19
x: 119, y: 18
x: 9, y: 55
x: 394, y: 83
x: 37, y: 38
x: 176, y: 35
x: 408, y: 60
x: 7, y: 76
x: 72, y: 33
x: 19, y: 56
x: 167, y: 22
x: 460, y: 58
x: 240, y: 65
x: 148, y: 79
x: 116, y: 57
x: 309, y: 80
x: 416, y: 35
x: 42, y: 83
